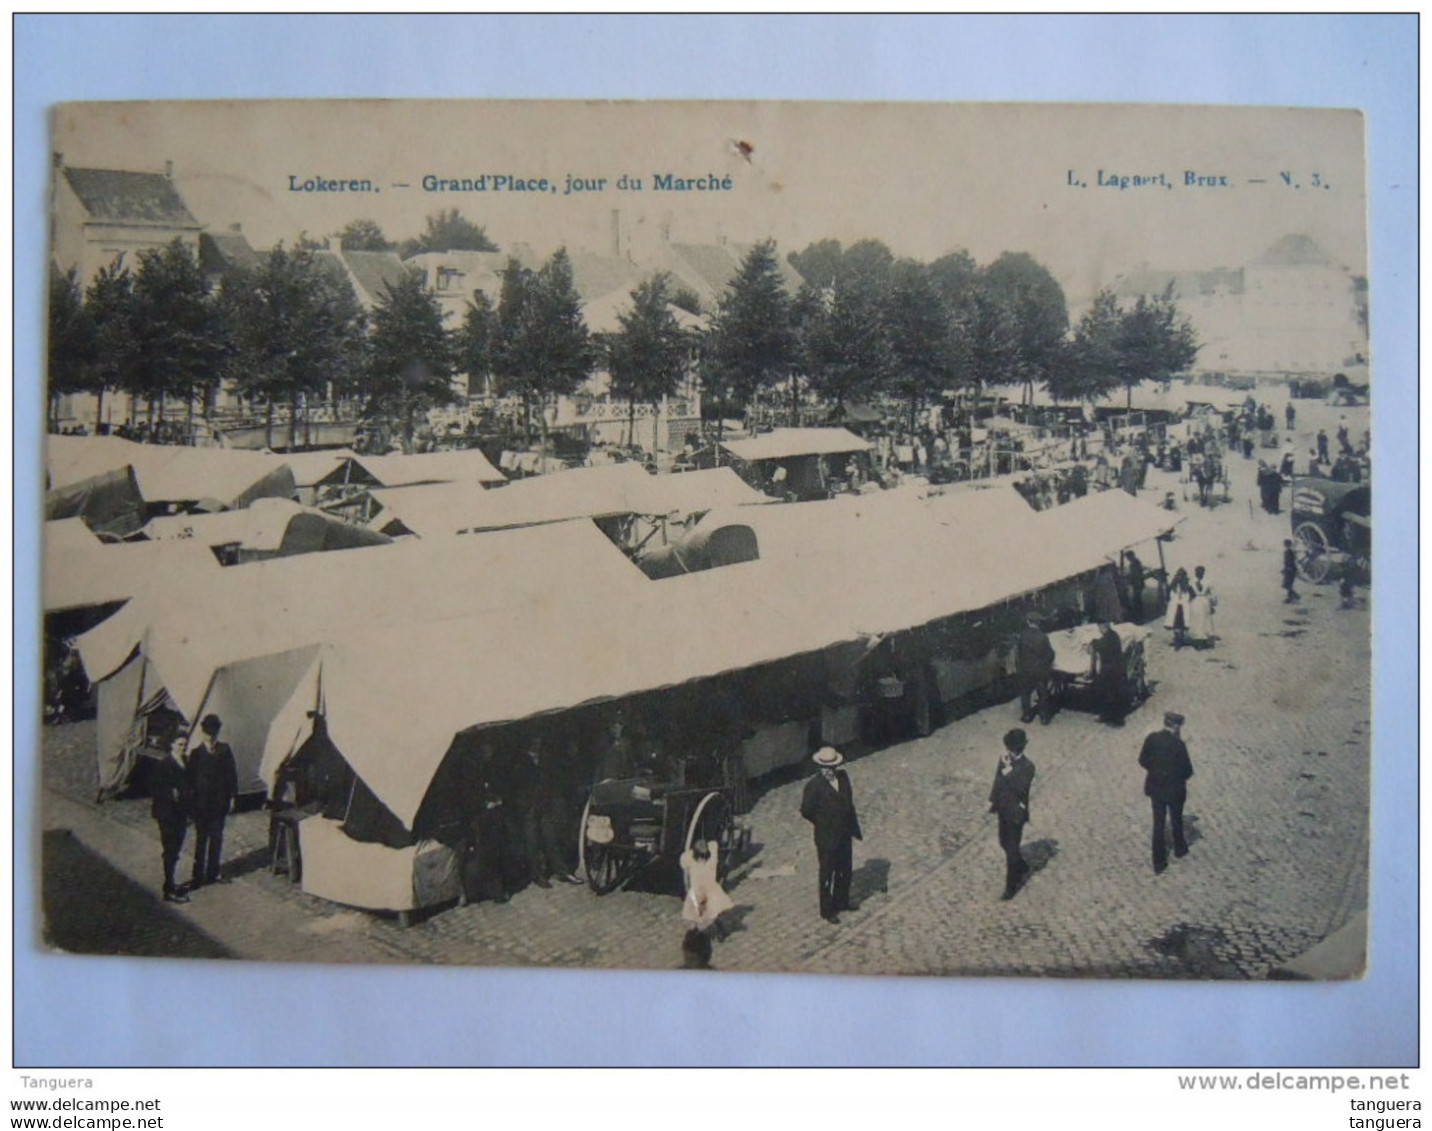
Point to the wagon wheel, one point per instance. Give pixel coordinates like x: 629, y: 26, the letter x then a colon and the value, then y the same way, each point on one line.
x: 606, y: 868
x: 1312, y: 555
x: 712, y: 821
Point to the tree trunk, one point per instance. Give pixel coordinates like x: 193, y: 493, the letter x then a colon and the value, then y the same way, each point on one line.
x: 189, y: 418
x: 795, y: 400
x: 98, y: 408
x: 292, y: 421
x: 268, y: 426
x: 631, y: 421
x: 542, y: 419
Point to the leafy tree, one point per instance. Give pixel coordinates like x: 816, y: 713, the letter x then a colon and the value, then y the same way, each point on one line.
x: 1090, y: 366
x: 477, y: 342
x: 684, y: 298
x: 1112, y: 346
x: 819, y: 264
x: 412, y: 355
x: 1033, y: 302
x: 647, y: 357
x: 109, y: 303
x: 988, y: 340
x: 294, y: 330
x: 956, y: 277
x: 543, y: 347
x: 176, y: 326
x: 71, y: 340
x: 1154, y: 342
x: 751, y: 342
x: 365, y: 235
x: 919, y: 327
x: 844, y: 346
x: 449, y: 230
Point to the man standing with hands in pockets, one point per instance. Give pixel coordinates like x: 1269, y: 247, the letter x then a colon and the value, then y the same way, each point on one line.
x: 213, y: 785
x: 829, y: 805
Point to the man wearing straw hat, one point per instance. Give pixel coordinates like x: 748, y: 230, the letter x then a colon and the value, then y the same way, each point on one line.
x: 829, y: 806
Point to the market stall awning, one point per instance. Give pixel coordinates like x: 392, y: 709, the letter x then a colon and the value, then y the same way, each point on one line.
x: 785, y: 443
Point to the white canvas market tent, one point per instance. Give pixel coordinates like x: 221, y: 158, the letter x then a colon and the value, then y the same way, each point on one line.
x: 829, y: 574
x: 80, y: 571
x: 588, y: 492
x: 171, y: 473
x: 785, y: 443
x: 183, y: 633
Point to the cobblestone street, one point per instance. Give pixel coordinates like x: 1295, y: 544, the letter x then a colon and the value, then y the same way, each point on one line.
x: 1278, y: 730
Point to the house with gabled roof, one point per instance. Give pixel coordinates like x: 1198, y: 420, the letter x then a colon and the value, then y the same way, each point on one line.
x: 99, y: 214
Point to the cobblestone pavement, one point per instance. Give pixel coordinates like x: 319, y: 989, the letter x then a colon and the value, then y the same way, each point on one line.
x: 1278, y: 729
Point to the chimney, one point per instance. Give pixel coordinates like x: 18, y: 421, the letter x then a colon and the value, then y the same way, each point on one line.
x: 169, y: 170
x: 237, y: 229
x: 59, y: 159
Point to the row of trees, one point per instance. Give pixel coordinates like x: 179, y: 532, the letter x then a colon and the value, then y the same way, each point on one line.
x: 865, y: 325
x: 292, y: 330
x: 862, y: 325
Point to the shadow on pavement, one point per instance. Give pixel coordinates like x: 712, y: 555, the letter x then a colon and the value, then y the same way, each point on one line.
x: 1038, y: 854
x: 91, y: 908
x: 871, y: 877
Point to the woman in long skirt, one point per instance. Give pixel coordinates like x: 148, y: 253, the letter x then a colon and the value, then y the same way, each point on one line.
x: 1180, y: 600
x: 1200, y: 610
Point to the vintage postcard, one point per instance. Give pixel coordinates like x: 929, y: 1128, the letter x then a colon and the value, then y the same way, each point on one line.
x: 806, y: 537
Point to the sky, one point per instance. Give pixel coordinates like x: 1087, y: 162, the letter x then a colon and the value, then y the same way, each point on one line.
x: 1090, y: 191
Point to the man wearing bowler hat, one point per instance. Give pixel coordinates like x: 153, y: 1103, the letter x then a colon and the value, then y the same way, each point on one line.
x: 1009, y: 798
x: 213, y: 785
x: 829, y: 806
x: 1164, y: 757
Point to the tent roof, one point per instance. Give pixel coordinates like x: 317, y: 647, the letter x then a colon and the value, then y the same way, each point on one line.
x: 79, y: 570
x: 1096, y: 528
x: 465, y: 465
x: 192, y: 624
x: 829, y: 573
x: 165, y: 473
x: 555, y: 655
x: 259, y: 526
x: 783, y: 443
x: 584, y: 492
x: 786, y: 442
x: 311, y: 468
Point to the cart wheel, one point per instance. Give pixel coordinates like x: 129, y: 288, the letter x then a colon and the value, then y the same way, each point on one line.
x: 712, y: 821
x: 605, y: 867
x: 1312, y: 556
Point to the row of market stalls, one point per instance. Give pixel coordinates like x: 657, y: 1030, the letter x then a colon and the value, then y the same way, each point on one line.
x: 403, y: 653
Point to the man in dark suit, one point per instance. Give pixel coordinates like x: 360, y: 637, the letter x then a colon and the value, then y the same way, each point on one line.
x: 1009, y: 798
x: 1165, y: 758
x: 213, y: 785
x: 1034, y: 668
x: 169, y: 806
x: 829, y: 805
